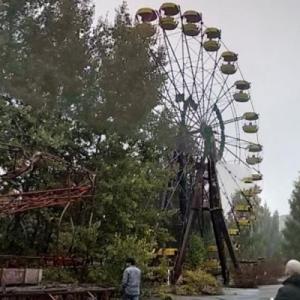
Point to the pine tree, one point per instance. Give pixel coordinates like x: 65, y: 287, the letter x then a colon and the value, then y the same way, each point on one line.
x: 291, y: 233
x: 274, y: 237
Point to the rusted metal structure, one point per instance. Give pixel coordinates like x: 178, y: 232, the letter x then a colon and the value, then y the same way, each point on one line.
x: 14, y: 202
x: 18, y: 201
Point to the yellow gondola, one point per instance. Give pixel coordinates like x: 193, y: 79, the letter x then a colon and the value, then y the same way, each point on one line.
x: 248, y: 180
x: 242, y: 208
x: 192, y: 16
x: 229, y: 56
x: 168, y: 23
x: 244, y: 222
x: 213, y: 33
x: 191, y: 29
x: 228, y: 69
x: 170, y: 9
x: 242, y: 85
x: 212, y: 248
x: 257, y: 177
x: 233, y: 232
x: 147, y: 14
x: 167, y: 251
x: 241, y: 96
x: 250, y: 128
x: 211, y: 45
x: 250, y: 116
x: 255, y: 147
x: 253, y: 160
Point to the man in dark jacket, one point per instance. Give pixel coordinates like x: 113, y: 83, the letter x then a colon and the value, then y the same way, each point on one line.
x: 291, y: 286
x: 131, y: 281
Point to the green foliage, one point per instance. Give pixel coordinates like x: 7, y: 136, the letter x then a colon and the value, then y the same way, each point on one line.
x: 58, y: 275
x: 127, y: 102
x: 196, y: 252
x: 159, y: 273
x: 198, y: 282
x: 39, y: 63
x: 129, y: 246
x: 291, y: 232
x: 193, y: 283
x: 86, y: 95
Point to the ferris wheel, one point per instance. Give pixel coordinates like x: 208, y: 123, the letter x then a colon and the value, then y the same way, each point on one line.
x: 209, y: 102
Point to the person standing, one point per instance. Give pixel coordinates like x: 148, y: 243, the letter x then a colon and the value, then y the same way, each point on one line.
x: 131, y: 280
x: 291, y: 286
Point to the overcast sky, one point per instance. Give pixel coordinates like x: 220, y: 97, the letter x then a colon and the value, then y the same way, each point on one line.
x: 265, y: 34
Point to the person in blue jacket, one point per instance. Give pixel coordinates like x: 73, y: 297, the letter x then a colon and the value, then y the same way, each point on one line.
x: 131, y: 281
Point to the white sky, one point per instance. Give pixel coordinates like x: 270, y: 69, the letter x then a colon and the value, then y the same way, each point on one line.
x: 265, y: 34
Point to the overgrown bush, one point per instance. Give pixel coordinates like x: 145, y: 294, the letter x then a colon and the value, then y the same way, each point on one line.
x: 159, y: 272
x: 198, y: 282
x: 196, y: 253
x: 122, y: 248
x: 193, y: 283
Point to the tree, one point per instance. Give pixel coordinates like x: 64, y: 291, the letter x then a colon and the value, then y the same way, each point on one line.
x: 274, y: 247
x: 262, y: 239
x: 85, y: 95
x: 196, y: 252
x: 45, y: 54
x: 291, y: 232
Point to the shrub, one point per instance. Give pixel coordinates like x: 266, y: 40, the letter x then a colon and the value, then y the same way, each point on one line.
x: 196, y: 253
x: 122, y: 248
x: 197, y: 282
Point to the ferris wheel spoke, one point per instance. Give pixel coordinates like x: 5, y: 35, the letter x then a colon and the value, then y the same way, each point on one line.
x: 168, y: 201
x: 235, y: 179
x: 238, y: 139
x: 199, y: 55
x: 213, y: 72
x: 209, y: 85
x: 165, y: 72
x: 169, y: 46
x: 175, y: 187
x: 171, y: 64
x: 202, y: 68
x: 233, y: 145
x: 231, y: 205
x: 230, y: 121
x: 230, y: 101
x: 183, y: 61
x: 194, y: 74
x: 240, y: 160
x: 208, y: 107
x: 219, y: 97
x: 232, y: 107
x: 169, y: 100
x: 190, y: 104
